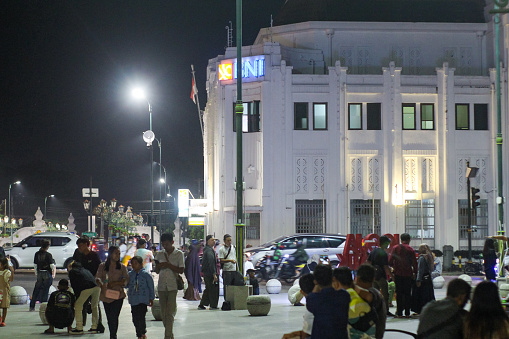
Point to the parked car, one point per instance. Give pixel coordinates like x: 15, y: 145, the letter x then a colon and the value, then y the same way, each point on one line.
x: 321, y: 244
x: 62, y: 247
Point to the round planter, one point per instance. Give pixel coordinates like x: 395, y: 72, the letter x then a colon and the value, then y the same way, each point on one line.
x: 19, y: 295
x: 42, y: 313
x: 503, y: 290
x: 258, y: 305
x: 156, y: 310
x: 438, y: 282
x: 467, y: 278
x: 273, y: 286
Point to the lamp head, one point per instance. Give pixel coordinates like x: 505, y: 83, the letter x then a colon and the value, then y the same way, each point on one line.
x: 139, y: 93
x: 18, y: 182
x: 148, y: 137
x: 161, y: 180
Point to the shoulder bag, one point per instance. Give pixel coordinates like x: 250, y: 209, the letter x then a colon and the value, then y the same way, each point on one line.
x: 180, y: 281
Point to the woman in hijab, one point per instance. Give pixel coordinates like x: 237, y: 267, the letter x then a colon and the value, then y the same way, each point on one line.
x: 490, y: 259
x: 193, y: 274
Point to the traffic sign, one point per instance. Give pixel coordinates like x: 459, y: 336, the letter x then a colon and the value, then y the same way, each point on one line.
x: 86, y: 192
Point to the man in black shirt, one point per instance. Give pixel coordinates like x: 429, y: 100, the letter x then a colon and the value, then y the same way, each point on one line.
x: 86, y: 257
x: 380, y: 261
x: 45, y: 270
x: 209, y: 270
x: 84, y: 285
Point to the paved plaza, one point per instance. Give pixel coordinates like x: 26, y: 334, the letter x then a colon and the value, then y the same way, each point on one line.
x: 193, y: 323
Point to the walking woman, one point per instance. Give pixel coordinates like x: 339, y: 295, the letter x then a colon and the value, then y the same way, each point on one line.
x: 423, y: 292
x: 193, y: 274
x: 487, y: 318
x: 112, y: 276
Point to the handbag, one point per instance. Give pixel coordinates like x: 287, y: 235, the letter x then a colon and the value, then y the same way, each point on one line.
x: 112, y: 294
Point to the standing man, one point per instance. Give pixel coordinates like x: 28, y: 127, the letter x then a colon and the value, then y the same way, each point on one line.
x: 405, y: 270
x: 380, y: 261
x: 169, y: 263
x: 209, y: 270
x: 228, y: 261
x: 45, y: 270
x: 89, y: 261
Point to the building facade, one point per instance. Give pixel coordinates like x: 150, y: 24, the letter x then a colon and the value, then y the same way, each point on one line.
x: 358, y: 127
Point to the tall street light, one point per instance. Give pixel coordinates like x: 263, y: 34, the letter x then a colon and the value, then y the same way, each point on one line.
x: 162, y: 181
x: 14, y: 183
x: 148, y: 136
x: 239, y: 187
x: 45, y: 201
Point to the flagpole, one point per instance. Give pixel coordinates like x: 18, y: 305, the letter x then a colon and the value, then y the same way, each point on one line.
x: 195, y: 97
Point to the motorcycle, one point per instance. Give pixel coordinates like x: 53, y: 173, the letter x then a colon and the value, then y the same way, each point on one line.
x: 288, y: 270
x: 265, y: 269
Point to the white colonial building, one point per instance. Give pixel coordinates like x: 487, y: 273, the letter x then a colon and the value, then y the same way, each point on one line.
x: 358, y: 127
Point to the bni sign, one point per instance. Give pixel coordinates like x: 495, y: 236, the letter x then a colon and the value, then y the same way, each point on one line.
x: 252, y: 68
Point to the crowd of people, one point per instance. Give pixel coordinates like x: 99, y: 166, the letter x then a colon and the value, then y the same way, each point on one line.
x: 128, y: 267
x: 340, y: 303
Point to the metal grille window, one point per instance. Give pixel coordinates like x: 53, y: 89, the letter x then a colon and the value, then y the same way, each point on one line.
x: 420, y: 218
x: 252, y: 225
x: 365, y: 216
x: 479, y: 219
x: 310, y: 216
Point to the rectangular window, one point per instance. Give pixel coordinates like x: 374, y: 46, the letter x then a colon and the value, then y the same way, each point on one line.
x: 481, y: 117
x: 427, y: 116
x: 365, y: 216
x: 354, y: 116
x: 250, y: 117
x: 479, y: 219
x: 462, y: 117
x: 252, y: 221
x: 374, y: 115
x: 408, y: 116
x: 300, y: 116
x: 310, y: 216
x: 320, y: 116
x: 420, y: 218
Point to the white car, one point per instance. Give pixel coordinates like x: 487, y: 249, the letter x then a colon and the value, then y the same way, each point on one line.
x: 328, y: 245
x: 62, y: 247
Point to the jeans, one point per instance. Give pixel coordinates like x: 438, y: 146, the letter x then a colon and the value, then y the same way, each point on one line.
x: 403, y: 295
x: 168, y: 303
x: 211, y: 294
x: 112, y: 311
x: 41, y: 289
x: 139, y: 312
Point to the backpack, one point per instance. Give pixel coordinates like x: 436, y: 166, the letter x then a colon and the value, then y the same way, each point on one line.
x: 227, y: 306
x: 366, y: 321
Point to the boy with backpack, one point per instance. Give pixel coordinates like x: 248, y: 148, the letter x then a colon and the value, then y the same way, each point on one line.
x: 60, y: 309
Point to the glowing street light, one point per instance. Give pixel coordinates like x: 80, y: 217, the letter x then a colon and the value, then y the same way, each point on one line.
x: 140, y: 94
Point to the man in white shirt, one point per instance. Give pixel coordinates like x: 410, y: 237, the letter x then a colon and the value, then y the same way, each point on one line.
x: 169, y: 264
x: 228, y: 261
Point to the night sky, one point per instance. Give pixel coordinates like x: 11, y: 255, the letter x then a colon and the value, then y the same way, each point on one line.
x: 66, y: 112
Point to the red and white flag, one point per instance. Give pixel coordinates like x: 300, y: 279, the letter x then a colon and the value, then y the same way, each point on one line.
x: 194, y: 91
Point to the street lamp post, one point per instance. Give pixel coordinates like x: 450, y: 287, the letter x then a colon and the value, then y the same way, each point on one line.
x: 239, y: 187
x: 45, y: 200
x: 14, y: 183
x: 161, y: 181
x: 139, y: 93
